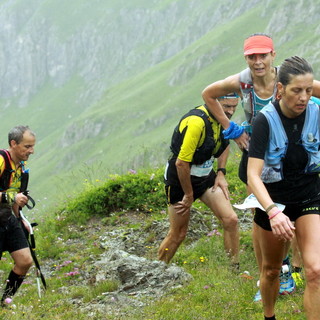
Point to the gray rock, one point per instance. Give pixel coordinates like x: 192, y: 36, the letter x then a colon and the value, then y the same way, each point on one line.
x: 138, y: 275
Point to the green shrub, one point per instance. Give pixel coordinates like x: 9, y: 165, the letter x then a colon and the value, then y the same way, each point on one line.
x: 143, y: 191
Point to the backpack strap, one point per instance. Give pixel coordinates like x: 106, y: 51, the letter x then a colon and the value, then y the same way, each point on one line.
x: 248, y: 96
x: 5, y: 176
x: 204, y: 150
x: 24, y: 178
x: 247, y: 92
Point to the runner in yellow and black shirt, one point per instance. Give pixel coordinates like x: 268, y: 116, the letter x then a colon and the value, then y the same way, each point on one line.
x: 12, y: 237
x: 189, y: 175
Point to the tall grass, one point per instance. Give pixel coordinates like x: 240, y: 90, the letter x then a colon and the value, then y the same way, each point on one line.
x: 67, y: 249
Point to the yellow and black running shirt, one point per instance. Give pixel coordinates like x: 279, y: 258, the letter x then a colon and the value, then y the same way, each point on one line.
x: 195, y: 135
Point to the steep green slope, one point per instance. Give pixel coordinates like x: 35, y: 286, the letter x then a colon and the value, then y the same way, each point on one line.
x: 139, y: 114
x: 164, y: 63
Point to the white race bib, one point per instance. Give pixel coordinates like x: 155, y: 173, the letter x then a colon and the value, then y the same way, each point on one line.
x: 202, y: 170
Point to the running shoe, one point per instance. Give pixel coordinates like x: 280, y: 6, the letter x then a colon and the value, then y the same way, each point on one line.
x: 257, y: 297
x: 287, y: 284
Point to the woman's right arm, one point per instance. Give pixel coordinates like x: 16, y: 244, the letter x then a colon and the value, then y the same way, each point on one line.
x: 255, y: 183
x: 218, y: 89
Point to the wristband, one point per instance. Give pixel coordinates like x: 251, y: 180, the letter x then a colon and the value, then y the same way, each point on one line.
x: 270, y: 207
x: 233, y: 132
x: 223, y: 170
x: 273, y: 215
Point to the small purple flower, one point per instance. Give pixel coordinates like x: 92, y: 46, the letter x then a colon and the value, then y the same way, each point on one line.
x: 72, y: 273
x: 214, y: 233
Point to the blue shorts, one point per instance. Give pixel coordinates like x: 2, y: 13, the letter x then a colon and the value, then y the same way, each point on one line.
x: 12, y: 236
x: 293, y: 211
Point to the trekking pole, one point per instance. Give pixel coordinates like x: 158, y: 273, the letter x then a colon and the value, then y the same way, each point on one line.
x: 38, y: 283
x: 32, y: 246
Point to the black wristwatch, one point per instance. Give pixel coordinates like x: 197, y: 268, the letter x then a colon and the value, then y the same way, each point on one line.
x: 223, y: 170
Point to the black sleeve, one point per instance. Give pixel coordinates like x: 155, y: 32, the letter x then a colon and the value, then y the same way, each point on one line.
x: 260, y: 137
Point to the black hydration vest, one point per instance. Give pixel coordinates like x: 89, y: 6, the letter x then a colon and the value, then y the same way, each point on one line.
x: 205, y: 151
x: 7, y: 172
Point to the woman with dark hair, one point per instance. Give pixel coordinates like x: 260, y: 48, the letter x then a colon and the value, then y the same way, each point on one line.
x: 256, y: 86
x: 283, y: 167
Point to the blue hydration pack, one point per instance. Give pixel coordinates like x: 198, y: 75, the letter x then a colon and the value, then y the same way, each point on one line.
x: 278, y: 143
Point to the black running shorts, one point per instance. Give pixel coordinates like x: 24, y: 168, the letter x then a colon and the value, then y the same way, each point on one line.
x: 199, y: 185
x: 12, y: 237
x: 293, y: 211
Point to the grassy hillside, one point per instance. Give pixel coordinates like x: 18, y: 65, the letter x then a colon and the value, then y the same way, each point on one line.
x: 139, y: 115
x: 130, y: 126
x: 69, y: 243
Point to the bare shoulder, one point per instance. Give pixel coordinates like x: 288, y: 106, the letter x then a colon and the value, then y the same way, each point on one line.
x: 316, y: 88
